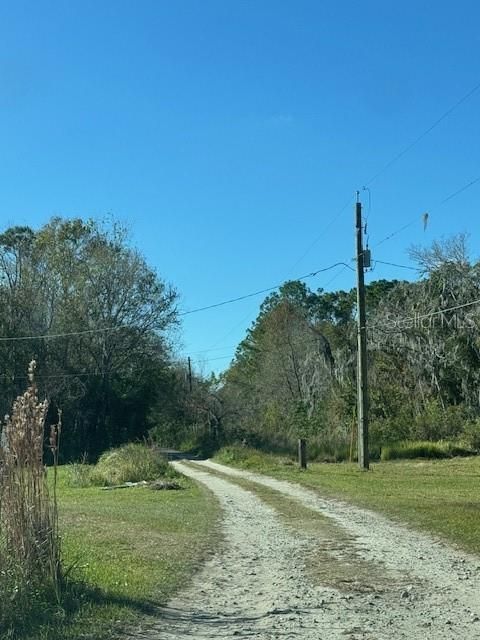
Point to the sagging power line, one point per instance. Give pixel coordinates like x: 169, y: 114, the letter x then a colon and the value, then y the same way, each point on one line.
x: 267, y: 290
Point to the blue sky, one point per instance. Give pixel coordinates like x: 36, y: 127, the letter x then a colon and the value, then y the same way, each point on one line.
x: 229, y: 134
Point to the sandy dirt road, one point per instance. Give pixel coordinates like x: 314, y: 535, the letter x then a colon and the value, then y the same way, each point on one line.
x: 354, y: 575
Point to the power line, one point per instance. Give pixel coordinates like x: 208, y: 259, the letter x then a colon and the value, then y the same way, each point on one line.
x: 230, y: 346
x: 399, y: 155
x: 420, y: 217
x: 395, y: 233
x: 50, y: 336
x: 6, y: 376
x: 461, y: 190
x: 431, y: 314
x: 410, y: 146
x: 215, y: 348
x: 395, y: 158
x: 60, y: 335
x: 267, y: 290
x: 338, y: 274
x: 393, y: 264
x: 374, y: 326
x: 321, y: 235
x: 440, y: 311
x: 214, y: 359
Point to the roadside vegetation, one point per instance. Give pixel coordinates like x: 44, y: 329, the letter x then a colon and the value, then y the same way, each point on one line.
x: 132, y: 462
x: 438, y: 496
x: 79, y: 562
x: 94, y: 559
x: 294, y: 374
x: 31, y: 574
x: 124, y: 553
x: 130, y: 550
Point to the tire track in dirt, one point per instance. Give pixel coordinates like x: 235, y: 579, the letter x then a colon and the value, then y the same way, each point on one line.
x: 258, y: 585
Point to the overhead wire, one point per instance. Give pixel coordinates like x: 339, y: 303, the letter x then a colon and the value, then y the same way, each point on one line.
x: 414, y: 318
x: 312, y: 274
x: 459, y: 191
x: 48, y: 336
x: 309, y: 248
x: 321, y: 235
x: 344, y: 264
x: 382, y: 170
x: 394, y: 264
x: 418, y: 217
x: 79, y: 374
x: 410, y: 146
x: 440, y: 311
x: 395, y: 159
x: 261, y: 291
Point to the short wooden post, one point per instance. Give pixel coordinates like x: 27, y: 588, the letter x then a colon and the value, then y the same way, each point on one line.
x: 302, y: 453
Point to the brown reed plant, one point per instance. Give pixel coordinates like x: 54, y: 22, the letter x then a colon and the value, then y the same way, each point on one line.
x: 29, y: 538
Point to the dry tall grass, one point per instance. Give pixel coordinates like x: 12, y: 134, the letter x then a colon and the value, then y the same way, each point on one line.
x: 29, y: 539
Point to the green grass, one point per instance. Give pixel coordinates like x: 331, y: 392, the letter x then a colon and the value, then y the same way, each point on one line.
x: 129, y: 551
x: 438, y: 496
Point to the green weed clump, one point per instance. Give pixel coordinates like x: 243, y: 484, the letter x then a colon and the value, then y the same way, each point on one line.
x: 424, y: 449
x: 235, y: 455
x: 79, y: 474
x: 132, y: 462
x: 247, y: 457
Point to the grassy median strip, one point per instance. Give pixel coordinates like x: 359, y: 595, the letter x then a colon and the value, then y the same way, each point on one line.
x: 128, y: 551
x: 438, y: 496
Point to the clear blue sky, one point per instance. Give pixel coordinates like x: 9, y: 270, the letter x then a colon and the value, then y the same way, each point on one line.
x: 228, y: 134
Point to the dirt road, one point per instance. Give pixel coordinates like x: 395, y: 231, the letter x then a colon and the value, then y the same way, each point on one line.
x: 343, y: 572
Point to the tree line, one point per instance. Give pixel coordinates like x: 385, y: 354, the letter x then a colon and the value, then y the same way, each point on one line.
x: 294, y: 374
x: 100, y: 324
x: 108, y: 363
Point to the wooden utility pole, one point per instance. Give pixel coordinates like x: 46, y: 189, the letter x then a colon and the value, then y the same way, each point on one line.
x: 189, y: 374
x: 302, y: 453
x: 362, y: 389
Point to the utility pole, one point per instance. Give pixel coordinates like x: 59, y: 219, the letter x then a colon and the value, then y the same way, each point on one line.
x: 189, y: 374
x: 362, y: 389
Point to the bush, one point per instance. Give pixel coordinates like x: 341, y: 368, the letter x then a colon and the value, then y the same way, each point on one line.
x: 130, y: 463
x: 424, y: 449
x: 436, y: 423
x: 471, y: 435
x: 245, y: 457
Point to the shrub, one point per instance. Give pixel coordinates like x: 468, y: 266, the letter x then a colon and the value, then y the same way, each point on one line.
x: 424, y: 449
x: 436, y: 423
x: 132, y: 462
x: 245, y: 457
x: 471, y: 435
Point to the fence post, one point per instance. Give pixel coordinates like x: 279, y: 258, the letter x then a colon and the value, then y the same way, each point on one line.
x: 302, y: 453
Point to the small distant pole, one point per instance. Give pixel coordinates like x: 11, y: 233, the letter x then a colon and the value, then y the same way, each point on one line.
x: 362, y: 395
x: 352, y: 436
x: 189, y: 374
x: 302, y: 453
